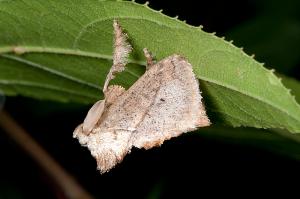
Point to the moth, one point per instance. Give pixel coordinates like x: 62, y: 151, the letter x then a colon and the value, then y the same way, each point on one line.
x: 163, y: 103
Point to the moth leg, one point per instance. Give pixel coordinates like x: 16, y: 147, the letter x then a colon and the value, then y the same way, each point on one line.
x: 120, y: 55
x: 149, y: 58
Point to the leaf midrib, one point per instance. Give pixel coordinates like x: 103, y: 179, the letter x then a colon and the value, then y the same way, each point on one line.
x: 31, y: 84
x: 33, y: 49
x: 52, y: 71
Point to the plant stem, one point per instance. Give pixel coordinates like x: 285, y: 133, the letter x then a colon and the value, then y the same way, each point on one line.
x: 64, y: 180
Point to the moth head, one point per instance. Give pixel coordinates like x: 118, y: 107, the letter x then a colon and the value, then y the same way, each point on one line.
x: 112, y: 93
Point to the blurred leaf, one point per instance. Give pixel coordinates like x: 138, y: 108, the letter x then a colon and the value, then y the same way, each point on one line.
x: 275, y: 141
x: 272, y: 35
x: 61, y: 50
x: 156, y: 191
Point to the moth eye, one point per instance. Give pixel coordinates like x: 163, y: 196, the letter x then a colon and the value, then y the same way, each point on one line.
x: 93, y: 116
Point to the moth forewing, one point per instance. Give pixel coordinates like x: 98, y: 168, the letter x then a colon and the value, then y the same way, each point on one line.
x: 176, y: 105
x: 163, y: 103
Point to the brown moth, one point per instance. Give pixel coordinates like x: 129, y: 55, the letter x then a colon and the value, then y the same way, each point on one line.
x: 163, y: 103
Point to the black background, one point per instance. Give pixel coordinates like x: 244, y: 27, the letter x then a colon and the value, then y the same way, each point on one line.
x: 190, y: 166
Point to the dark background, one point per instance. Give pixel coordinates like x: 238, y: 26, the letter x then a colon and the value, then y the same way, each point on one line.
x: 189, y: 166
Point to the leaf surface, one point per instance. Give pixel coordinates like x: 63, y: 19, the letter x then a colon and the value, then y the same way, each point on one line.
x: 62, y: 50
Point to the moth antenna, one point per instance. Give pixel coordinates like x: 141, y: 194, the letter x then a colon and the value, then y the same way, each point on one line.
x: 120, y: 56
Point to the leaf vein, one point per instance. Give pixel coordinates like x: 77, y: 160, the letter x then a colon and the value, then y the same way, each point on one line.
x: 55, y: 72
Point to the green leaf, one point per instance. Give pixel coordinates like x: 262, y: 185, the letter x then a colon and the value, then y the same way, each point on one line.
x: 272, y: 34
x: 62, y: 50
x: 294, y: 85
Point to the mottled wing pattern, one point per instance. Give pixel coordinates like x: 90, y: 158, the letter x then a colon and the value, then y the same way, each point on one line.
x: 176, y: 108
x: 163, y: 103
